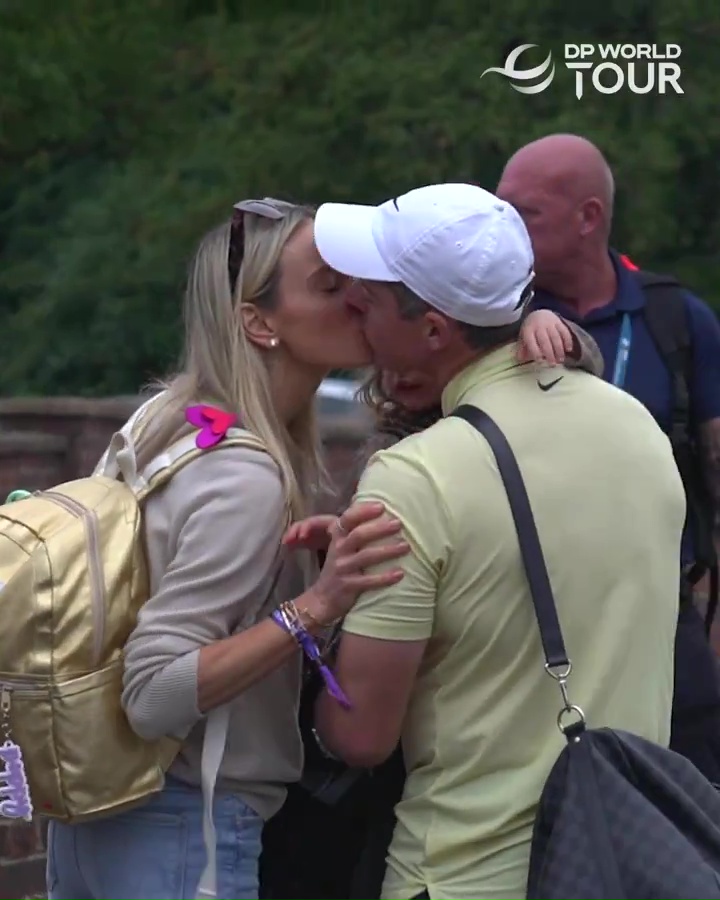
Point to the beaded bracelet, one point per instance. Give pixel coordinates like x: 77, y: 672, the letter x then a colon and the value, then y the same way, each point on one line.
x: 288, y: 618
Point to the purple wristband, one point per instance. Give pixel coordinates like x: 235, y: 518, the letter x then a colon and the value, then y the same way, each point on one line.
x: 311, y: 650
x: 313, y: 653
x: 280, y: 620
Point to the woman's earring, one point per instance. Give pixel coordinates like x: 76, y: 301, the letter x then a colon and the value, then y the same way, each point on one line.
x: 274, y: 342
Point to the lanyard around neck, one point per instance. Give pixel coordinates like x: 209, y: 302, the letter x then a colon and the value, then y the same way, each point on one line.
x: 623, y: 352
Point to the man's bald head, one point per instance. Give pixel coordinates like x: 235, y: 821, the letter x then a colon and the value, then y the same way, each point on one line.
x: 568, y: 162
x: 564, y: 189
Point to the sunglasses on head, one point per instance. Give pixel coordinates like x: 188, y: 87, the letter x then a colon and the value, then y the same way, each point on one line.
x: 268, y: 208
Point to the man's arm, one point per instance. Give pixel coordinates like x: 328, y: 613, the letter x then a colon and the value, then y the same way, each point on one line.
x: 705, y: 388
x: 385, y: 635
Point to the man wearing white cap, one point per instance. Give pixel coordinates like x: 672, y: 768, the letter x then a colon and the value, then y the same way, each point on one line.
x: 450, y: 658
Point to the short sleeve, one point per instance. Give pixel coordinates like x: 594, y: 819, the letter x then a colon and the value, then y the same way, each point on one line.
x: 705, y: 387
x: 225, y: 514
x: 404, y: 611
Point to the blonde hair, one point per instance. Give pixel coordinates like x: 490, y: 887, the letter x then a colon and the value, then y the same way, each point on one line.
x: 222, y: 366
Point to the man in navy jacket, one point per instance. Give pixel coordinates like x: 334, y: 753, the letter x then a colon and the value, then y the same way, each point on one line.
x: 564, y: 190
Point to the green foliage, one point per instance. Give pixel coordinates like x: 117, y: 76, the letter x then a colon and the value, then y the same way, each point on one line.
x: 127, y: 128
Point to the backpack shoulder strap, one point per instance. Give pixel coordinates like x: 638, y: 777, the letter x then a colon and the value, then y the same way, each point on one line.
x: 666, y: 319
x: 666, y: 314
x: 108, y: 462
x: 161, y: 469
x: 120, y: 460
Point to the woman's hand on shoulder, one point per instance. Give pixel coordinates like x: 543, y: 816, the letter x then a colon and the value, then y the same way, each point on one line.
x: 363, y: 537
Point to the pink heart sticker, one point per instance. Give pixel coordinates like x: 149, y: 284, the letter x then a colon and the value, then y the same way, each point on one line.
x: 213, y: 424
x: 221, y: 420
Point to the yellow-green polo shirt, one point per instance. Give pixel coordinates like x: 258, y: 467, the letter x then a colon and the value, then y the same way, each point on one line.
x: 480, y: 735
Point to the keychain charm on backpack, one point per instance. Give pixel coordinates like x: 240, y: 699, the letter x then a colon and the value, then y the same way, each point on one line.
x: 14, y: 496
x: 15, y: 802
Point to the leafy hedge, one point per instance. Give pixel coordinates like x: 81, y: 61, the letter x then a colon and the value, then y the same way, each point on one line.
x: 127, y: 128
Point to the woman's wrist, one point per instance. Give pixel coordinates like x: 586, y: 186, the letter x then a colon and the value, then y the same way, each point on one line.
x: 290, y: 618
x: 313, y: 612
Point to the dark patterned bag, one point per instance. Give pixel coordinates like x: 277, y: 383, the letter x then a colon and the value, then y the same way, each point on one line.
x: 619, y: 817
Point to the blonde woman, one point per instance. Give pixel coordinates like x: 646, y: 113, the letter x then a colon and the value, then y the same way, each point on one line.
x: 265, y: 322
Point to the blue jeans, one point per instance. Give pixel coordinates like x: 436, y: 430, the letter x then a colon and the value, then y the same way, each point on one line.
x: 156, y: 851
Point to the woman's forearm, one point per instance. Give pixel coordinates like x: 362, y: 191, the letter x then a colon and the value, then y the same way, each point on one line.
x: 229, y: 667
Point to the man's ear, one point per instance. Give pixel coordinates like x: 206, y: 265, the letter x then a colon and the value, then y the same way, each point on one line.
x: 438, y: 330
x: 592, y: 216
x: 257, y: 326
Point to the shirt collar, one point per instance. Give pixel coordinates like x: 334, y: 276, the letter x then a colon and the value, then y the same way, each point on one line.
x: 628, y: 297
x: 490, y: 367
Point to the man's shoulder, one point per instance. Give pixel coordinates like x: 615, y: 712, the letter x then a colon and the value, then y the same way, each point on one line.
x: 411, y: 451
x: 419, y: 463
x: 694, y: 307
x: 409, y: 478
x: 703, y: 320
x: 691, y: 325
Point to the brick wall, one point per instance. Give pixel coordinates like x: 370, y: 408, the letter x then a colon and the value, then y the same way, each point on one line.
x: 44, y: 442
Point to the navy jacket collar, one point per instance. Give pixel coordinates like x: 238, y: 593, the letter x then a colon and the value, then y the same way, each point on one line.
x: 628, y: 296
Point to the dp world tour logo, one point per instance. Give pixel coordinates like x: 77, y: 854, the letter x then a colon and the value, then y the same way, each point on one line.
x: 608, y: 68
x: 510, y: 71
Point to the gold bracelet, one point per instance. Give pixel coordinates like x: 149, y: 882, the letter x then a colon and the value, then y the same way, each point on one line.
x: 306, y: 612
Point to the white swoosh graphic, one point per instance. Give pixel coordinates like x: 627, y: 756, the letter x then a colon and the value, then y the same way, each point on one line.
x: 535, y: 88
x: 509, y: 71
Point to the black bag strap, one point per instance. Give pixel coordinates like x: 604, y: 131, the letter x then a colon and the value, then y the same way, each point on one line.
x: 530, y: 548
x: 667, y: 320
x: 557, y: 664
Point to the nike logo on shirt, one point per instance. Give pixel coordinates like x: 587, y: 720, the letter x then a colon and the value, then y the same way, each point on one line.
x: 546, y: 387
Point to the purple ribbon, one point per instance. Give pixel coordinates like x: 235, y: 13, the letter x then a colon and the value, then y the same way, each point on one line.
x: 312, y: 651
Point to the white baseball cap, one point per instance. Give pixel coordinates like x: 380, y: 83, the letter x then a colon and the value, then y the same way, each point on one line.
x: 458, y: 247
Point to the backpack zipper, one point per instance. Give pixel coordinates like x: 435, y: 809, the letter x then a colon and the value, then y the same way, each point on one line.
x: 7, y: 689
x: 97, y: 583
x: 5, y: 704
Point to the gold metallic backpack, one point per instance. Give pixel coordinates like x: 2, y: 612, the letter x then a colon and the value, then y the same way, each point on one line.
x: 73, y: 576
